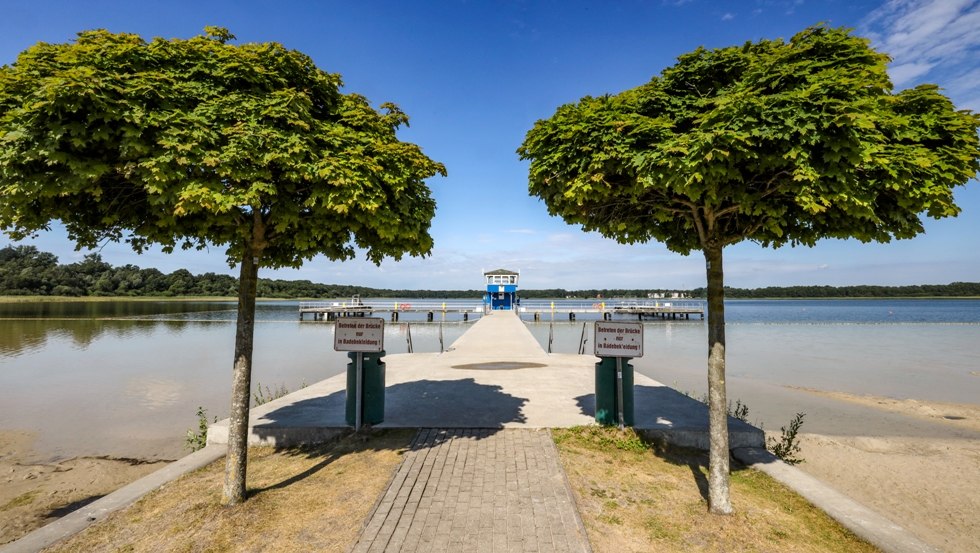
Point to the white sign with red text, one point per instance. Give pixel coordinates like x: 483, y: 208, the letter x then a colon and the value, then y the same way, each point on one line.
x: 359, y: 334
x: 618, y: 339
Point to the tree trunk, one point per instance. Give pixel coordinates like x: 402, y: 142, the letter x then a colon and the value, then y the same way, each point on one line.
x: 237, y: 458
x: 719, y: 501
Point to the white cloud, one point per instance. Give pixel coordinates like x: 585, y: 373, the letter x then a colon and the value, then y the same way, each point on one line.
x: 728, y: 16
x: 934, y: 40
x: 968, y: 80
x: 905, y: 72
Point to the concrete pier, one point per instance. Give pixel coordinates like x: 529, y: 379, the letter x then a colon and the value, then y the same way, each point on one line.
x: 494, y: 376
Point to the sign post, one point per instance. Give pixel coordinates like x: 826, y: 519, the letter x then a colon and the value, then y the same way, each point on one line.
x: 618, y: 340
x: 619, y: 389
x: 358, y: 388
x: 359, y: 335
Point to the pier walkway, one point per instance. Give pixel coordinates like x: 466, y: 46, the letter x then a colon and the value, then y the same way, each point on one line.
x: 477, y: 490
x: 496, y: 375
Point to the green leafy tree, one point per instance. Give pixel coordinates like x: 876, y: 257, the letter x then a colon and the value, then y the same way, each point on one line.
x: 200, y: 141
x: 25, y: 270
x: 773, y: 142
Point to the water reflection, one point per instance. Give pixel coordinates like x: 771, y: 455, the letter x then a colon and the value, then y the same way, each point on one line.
x: 24, y: 336
x: 154, y: 392
x: 108, y: 308
x: 131, y: 387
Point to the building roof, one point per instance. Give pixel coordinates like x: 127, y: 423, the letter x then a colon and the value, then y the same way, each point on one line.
x: 500, y: 272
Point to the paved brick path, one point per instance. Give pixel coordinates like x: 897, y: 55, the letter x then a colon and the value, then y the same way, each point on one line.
x: 477, y: 490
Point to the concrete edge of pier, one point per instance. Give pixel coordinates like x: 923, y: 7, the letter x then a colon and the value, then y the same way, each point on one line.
x: 76, y: 521
x: 865, y: 523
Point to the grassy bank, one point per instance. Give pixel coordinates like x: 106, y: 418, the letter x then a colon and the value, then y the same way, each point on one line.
x: 633, y: 496
x: 301, y: 499
x: 636, y: 495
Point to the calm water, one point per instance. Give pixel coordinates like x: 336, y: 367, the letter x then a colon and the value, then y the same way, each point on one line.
x: 125, y: 378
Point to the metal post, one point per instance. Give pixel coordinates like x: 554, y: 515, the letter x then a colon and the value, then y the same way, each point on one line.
x: 619, y: 390
x: 357, y: 392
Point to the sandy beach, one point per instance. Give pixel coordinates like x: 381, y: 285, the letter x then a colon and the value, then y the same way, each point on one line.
x: 927, y: 485
x: 35, y: 491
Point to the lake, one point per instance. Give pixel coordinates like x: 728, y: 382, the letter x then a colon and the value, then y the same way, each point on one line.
x: 125, y: 378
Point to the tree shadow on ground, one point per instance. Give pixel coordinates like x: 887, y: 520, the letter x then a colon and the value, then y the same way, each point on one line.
x: 444, y: 410
x: 696, y: 460
x: 348, y: 443
x: 59, y: 512
x: 586, y: 404
x: 451, y: 404
x: 663, y: 408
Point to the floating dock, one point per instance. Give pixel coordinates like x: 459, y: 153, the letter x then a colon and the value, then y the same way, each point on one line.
x: 606, y: 310
x: 654, y: 309
x: 325, y: 310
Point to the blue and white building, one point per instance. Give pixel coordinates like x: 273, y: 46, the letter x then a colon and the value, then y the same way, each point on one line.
x: 501, y: 289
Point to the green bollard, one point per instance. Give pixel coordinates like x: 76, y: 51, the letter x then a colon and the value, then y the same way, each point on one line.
x: 373, y: 392
x: 606, y: 397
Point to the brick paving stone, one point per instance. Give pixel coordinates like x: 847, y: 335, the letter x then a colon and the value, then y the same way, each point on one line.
x: 482, y: 490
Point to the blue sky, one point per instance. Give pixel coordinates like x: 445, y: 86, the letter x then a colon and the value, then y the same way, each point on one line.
x: 474, y: 76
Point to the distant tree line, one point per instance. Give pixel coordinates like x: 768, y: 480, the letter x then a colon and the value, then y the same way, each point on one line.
x: 955, y: 289
x: 25, y: 271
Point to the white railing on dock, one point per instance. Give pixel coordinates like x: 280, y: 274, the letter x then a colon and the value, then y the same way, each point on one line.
x: 660, y: 306
x: 403, y: 305
x: 603, y: 306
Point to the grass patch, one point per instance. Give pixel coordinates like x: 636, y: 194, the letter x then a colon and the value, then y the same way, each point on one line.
x: 20, y: 501
x: 300, y: 499
x: 638, y: 495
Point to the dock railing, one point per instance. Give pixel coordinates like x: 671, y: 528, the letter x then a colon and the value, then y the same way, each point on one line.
x: 664, y: 308
x: 603, y: 306
x: 387, y: 306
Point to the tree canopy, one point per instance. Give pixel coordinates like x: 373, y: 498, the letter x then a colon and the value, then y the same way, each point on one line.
x: 202, y: 142
x: 774, y: 142
x: 196, y: 142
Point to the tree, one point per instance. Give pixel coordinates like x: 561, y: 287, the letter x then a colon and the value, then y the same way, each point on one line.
x: 773, y: 142
x: 200, y: 141
x: 25, y: 270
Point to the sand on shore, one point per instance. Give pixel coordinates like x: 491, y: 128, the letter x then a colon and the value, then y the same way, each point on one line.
x: 958, y: 415
x: 926, y: 485
x: 34, y: 492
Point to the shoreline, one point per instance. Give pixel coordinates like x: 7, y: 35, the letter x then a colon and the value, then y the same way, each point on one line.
x: 36, y: 492
x: 958, y: 415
